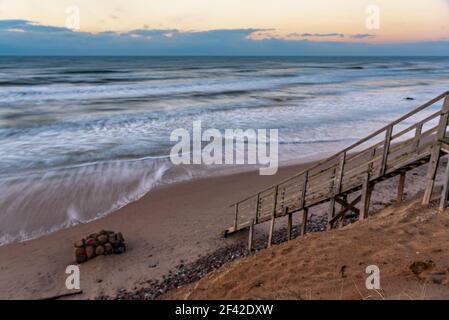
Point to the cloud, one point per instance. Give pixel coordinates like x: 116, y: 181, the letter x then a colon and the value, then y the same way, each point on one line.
x: 319, y: 35
x: 20, y: 37
x: 28, y: 26
x: 362, y: 36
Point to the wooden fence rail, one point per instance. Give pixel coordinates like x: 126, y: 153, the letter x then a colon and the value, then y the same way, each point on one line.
x: 392, y: 150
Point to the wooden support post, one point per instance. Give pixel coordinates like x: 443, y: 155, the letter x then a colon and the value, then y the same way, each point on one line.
x: 343, y: 212
x: 431, y: 173
x: 331, y: 213
x: 366, y: 197
x: 251, y: 235
x: 304, y: 190
x: 289, y: 225
x: 418, y: 133
x: 256, y: 218
x: 387, y: 142
x: 335, y: 189
x: 270, y: 234
x: 339, y: 175
x: 401, y: 186
x: 372, y: 155
x: 273, y: 217
x: 436, y: 150
x: 443, y: 119
x: 445, y: 192
x: 305, y: 214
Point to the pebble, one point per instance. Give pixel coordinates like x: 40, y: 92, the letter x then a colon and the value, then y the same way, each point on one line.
x: 184, y: 273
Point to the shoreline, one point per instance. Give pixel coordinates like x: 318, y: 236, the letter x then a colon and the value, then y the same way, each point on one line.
x: 170, y: 226
x: 72, y: 191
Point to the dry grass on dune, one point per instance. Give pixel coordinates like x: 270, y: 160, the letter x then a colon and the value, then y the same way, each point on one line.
x: 408, y: 242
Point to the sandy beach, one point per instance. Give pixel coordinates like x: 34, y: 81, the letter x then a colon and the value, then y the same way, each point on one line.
x: 169, y: 226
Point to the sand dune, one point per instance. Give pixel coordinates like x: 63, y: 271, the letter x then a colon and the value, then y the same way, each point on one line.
x: 409, y: 243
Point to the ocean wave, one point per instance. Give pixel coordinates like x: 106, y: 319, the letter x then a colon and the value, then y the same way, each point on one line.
x: 61, y: 92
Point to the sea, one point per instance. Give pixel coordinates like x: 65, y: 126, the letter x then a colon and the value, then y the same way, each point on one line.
x: 81, y: 137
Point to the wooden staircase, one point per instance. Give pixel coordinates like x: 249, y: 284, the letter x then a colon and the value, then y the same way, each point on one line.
x: 417, y: 138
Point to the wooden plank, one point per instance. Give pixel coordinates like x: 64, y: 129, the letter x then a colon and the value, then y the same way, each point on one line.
x: 348, y: 207
x: 331, y: 213
x: 444, y: 119
x: 418, y: 133
x: 365, y: 198
x: 445, y: 147
x: 436, y: 150
x: 236, y: 213
x: 339, y: 175
x: 431, y: 173
x: 342, y: 212
x: 251, y: 236
x: 305, y: 215
x: 416, y: 125
x: 304, y: 190
x: 289, y: 225
x: 386, y: 150
x: 256, y: 219
x: 276, y: 189
x: 401, y: 186
x: 270, y: 233
x: 445, y: 193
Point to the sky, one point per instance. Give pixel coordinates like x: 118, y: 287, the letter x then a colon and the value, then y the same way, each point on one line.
x: 224, y: 27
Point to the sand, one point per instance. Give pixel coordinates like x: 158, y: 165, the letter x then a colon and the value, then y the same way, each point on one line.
x: 168, y: 226
x: 408, y: 243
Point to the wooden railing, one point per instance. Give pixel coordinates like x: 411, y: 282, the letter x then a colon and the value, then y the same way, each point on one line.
x: 413, y: 139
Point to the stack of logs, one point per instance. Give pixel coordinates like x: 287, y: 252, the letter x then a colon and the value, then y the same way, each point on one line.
x: 97, y: 244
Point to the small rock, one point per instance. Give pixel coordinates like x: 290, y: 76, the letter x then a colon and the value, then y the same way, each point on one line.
x: 108, y: 248
x: 102, y: 239
x: 112, y: 239
x: 90, y: 252
x: 91, y: 242
x: 99, y: 250
x: 80, y: 255
x: 79, y: 243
